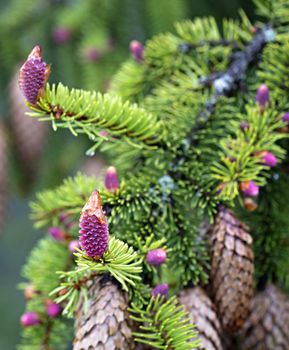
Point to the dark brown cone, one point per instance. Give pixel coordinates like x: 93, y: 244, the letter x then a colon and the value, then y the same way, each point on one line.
x: 203, y: 314
x: 231, y: 270
x: 3, y: 174
x: 106, y: 325
x: 267, y: 327
x: 28, y: 133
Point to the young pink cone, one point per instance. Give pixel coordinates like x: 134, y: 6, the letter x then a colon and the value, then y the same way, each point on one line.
x: 61, y: 35
x: 29, y: 318
x: 285, y: 117
x: 92, y: 54
x: 137, y: 49
x: 161, y: 289
x: 73, y: 245
x: 94, y: 227
x: 249, y: 188
x: 111, y: 181
x: 57, y: 233
x: 262, y: 96
x: 156, y: 257
x: 33, y: 76
x: 53, y: 310
x: 269, y: 159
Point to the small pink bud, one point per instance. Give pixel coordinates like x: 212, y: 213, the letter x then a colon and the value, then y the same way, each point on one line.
x: 73, y: 245
x: 29, y: 292
x: 93, y: 228
x: 53, y: 310
x: 33, y: 76
x: 61, y: 35
x: 92, y: 54
x: 156, y: 256
x: 262, y: 96
x: 57, y: 233
x: 137, y: 49
x: 161, y: 289
x: 29, y: 318
x: 285, y: 117
x: 111, y: 179
x: 269, y: 159
x: 249, y: 188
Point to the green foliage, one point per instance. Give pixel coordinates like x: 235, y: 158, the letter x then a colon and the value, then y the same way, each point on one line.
x: 90, y: 113
x: 164, y: 325
x: 120, y: 260
x: 68, y: 198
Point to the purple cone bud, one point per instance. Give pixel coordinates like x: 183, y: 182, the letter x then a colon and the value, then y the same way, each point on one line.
x: 94, y: 228
x: 61, y: 35
x: 249, y: 188
x: 57, y: 233
x: 285, y: 117
x: 73, y: 245
x: 92, y: 54
x: 269, y: 159
x: 111, y: 179
x: 244, y: 125
x: 156, y: 256
x: 53, y: 310
x: 33, y: 76
x: 137, y: 49
x: 29, y: 318
x: 161, y: 289
x: 262, y: 96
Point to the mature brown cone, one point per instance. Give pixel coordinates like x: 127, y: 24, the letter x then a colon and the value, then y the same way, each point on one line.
x: 106, y: 325
x: 203, y: 314
x: 267, y: 327
x: 28, y: 133
x: 3, y: 174
x: 231, y: 270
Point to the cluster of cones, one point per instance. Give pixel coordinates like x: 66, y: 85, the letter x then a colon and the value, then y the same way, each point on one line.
x: 226, y: 314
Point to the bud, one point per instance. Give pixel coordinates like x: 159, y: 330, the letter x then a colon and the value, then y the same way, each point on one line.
x: 285, y: 117
x: 249, y: 204
x: 137, y: 49
x: 92, y: 54
x: 94, y: 228
x: 53, y: 310
x: 29, y: 292
x: 156, y: 256
x: 269, y: 159
x: 29, y: 318
x: 244, y: 125
x: 161, y: 289
x: 262, y: 96
x: 111, y: 179
x: 61, y: 35
x: 249, y: 188
x: 57, y: 233
x: 33, y: 76
x: 73, y: 245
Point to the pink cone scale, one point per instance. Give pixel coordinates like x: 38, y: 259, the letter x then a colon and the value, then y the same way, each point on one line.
x: 33, y: 76
x: 29, y: 318
x: 137, y: 49
x: 93, y: 228
x: 111, y: 181
x: 249, y: 188
x: 161, y: 289
x: 262, y: 96
x: 53, y: 310
x: 156, y: 257
x: 57, y: 233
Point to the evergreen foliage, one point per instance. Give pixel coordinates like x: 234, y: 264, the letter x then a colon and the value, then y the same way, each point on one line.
x: 195, y: 136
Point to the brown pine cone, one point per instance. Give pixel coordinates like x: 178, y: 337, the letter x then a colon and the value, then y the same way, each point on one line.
x: 231, y: 270
x: 203, y: 314
x: 3, y: 174
x: 267, y: 327
x: 28, y: 133
x: 106, y: 325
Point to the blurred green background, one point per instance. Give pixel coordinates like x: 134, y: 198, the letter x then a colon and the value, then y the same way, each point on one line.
x: 86, y: 40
